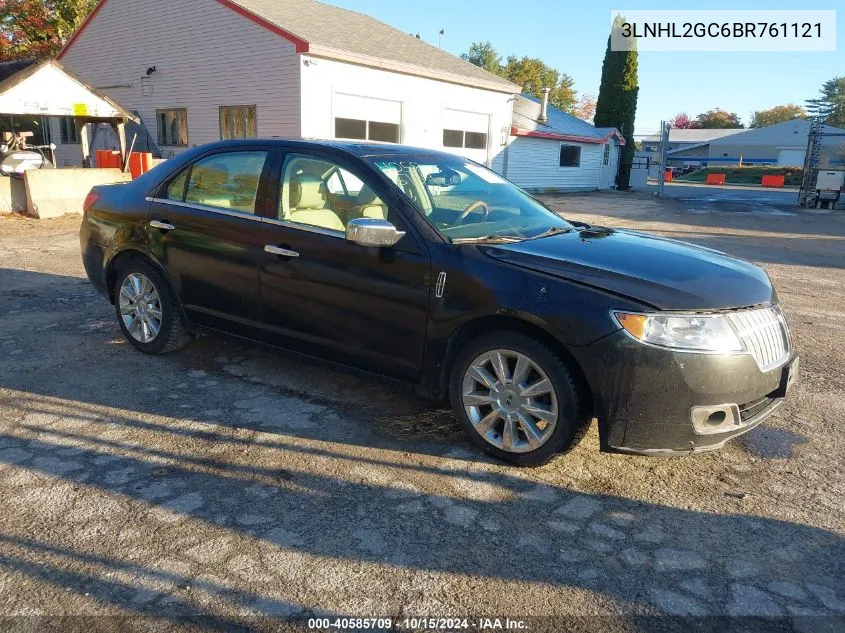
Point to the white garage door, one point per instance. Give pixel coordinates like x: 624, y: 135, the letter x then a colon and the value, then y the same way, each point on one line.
x: 791, y: 157
x: 466, y: 133
x: 367, y: 118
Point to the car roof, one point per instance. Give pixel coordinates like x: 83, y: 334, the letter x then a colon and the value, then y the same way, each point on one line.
x: 358, y: 148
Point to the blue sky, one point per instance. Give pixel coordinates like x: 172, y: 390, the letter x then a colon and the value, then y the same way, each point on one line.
x: 572, y: 37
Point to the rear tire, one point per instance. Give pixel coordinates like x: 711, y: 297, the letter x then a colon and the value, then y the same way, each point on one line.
x: 147, y: 311
x: 516, y: 399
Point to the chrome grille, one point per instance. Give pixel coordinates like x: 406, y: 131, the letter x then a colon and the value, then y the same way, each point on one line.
x: 765, y: 335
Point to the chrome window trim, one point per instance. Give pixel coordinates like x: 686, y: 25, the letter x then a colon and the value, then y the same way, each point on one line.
x: 305, y: 227
x: 249, y: 216
x: 202, y: 207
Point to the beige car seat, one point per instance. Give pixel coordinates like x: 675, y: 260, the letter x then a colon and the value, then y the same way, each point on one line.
x: 369, y: 205
x: 308, y: 204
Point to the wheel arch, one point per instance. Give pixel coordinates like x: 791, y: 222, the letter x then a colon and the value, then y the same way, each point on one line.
x: 129, y: 254
x: 481, y: 325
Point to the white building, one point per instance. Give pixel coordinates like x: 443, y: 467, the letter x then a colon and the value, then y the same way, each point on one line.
x: 197, y: 71
x: 782, y: 144
x: 555, y: 151
x: 684, y: 138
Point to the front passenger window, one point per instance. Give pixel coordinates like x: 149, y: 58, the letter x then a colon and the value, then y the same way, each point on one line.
x: 227, y: 181
x: 320, y: 193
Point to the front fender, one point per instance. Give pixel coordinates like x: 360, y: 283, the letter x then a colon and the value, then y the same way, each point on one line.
x: 482, y: 293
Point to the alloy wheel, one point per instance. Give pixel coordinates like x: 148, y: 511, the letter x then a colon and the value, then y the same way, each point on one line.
x: 510, y: 401
x: 140, y: 307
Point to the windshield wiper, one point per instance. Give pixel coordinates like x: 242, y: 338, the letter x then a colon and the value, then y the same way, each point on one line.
x: 487, y: 239
x: 555, y: 230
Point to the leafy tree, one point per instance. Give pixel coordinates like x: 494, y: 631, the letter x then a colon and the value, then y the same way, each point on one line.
x: 39, y: 28
x: 585, y: 109
x: 778, y: 114
x: 533, y: 75
x: 718, y: 119
x: 617, y: 102
x: 529, y: 72
x: 483, y: 54
x: 683, y: 122
x: 831, y: 103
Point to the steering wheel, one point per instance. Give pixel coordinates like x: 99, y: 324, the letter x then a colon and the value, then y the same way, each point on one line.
x: 475, y: 206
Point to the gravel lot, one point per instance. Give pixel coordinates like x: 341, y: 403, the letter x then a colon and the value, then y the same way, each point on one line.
x: 230, y: 482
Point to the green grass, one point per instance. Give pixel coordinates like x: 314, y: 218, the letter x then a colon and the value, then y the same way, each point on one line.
x: 746, y: 175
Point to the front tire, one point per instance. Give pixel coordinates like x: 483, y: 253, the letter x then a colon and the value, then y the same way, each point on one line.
x: 516, y: 399
x: 147, y: 310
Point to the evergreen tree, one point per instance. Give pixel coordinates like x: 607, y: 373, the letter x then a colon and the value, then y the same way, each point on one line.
x: 617, y: 102
x: 831, y: 104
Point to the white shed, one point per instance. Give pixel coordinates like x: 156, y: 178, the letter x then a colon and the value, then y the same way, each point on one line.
x: 198, y: 71
x: 558, y: 152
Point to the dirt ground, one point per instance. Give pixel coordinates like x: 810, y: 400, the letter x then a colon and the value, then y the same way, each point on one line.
x: 232, y: 483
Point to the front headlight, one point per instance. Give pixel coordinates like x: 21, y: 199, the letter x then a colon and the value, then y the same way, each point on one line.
x: 686, y: 332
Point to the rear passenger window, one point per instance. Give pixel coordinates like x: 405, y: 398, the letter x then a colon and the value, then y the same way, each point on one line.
x: 227, y: 181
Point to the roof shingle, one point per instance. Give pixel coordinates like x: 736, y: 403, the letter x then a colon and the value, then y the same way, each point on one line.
x: 694, y: 135
x: 526, y: 111
x: 7, y: 69
x: 339, y: 33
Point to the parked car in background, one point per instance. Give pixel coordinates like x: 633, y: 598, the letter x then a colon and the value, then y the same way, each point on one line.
x: 430, y: 268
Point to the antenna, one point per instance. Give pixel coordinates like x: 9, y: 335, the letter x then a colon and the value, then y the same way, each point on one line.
x: 440, y: 38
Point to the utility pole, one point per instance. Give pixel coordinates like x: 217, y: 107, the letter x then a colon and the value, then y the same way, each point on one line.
x: 664, y: 148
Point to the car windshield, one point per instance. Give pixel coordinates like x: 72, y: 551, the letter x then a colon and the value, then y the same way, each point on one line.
x: 466, y: 202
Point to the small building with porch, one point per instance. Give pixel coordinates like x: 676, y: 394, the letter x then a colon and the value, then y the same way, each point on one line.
x: 42, y: 103
x: 44, y: 98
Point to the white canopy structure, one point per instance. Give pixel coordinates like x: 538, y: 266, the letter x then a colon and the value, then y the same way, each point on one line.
x: 46, y: 89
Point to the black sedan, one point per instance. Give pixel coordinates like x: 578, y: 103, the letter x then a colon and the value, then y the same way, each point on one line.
x: 430, y: 268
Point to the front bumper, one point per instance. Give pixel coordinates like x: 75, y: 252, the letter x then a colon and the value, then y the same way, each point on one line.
x: 644, y: 396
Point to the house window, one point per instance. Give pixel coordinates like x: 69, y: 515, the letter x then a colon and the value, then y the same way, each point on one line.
x: 172, y: 127
x: 366, y: 130
x: 605, y: 159
x: 237, y: 122
x: 570, y: 156
x: 453, y: 138
x: 383, y: 132
x: 67, y: 127
x: 475, y: 140
x: 466, y: 140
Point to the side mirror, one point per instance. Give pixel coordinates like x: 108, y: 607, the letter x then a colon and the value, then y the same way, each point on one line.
x: 372, y: 232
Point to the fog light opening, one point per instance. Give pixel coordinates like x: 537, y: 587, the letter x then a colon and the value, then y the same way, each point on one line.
x: 716, y: 418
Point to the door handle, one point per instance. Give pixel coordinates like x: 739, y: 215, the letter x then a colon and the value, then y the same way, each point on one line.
x: 164, y: 226
x: 277, y: 250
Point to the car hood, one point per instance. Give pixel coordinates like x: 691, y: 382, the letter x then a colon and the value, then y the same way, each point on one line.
x: 665, y: 273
